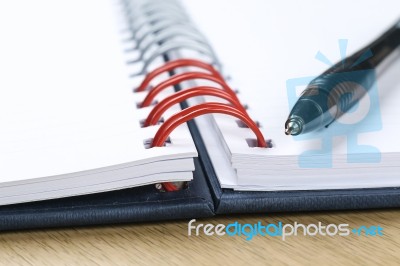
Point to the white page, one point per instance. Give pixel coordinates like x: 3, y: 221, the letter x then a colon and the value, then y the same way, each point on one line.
x: 66, y: 100
x: 264, y: 44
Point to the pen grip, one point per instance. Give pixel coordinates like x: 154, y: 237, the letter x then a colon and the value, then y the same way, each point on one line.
x: 336, y: 92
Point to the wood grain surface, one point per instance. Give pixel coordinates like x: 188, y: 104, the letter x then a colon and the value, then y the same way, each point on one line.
x: 168, y: 243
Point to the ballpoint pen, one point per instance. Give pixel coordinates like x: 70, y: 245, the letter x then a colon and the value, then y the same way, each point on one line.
x: 328, y: 96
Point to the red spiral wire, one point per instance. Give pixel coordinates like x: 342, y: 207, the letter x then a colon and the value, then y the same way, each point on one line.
x: 204, y: 108
x: 171, y: 65
x: 168, y: 186
x: 174, y: 80
x: 180, y: 96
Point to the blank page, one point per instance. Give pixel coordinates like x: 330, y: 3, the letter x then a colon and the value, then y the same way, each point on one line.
x: 66, y: 100
x: 264, y: 45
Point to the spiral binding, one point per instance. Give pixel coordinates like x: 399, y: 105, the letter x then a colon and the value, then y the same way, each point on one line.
x: 165, y: 27
x: 157, y: 29
x: 225, y: 92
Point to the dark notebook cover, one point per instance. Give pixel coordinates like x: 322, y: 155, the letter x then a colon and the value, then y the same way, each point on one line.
x: 124, y: 206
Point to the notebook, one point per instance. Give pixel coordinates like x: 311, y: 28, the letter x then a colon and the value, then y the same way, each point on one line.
x: 76, y: 148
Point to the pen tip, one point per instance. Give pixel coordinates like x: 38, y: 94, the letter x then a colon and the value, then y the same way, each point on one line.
x: 292, y: 127
x: 288, y: 130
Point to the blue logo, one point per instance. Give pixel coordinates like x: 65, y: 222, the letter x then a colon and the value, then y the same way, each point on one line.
x: 364, y: 117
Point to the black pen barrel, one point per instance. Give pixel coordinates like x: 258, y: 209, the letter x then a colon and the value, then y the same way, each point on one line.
x: 336, y: 90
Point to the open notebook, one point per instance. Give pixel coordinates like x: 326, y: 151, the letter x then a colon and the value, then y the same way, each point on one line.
x: 71, y: 123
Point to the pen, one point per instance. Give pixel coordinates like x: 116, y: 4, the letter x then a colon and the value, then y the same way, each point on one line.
x: 327, y: 97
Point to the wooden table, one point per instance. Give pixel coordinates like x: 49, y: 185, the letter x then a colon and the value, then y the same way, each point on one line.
x: 169, y: 243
